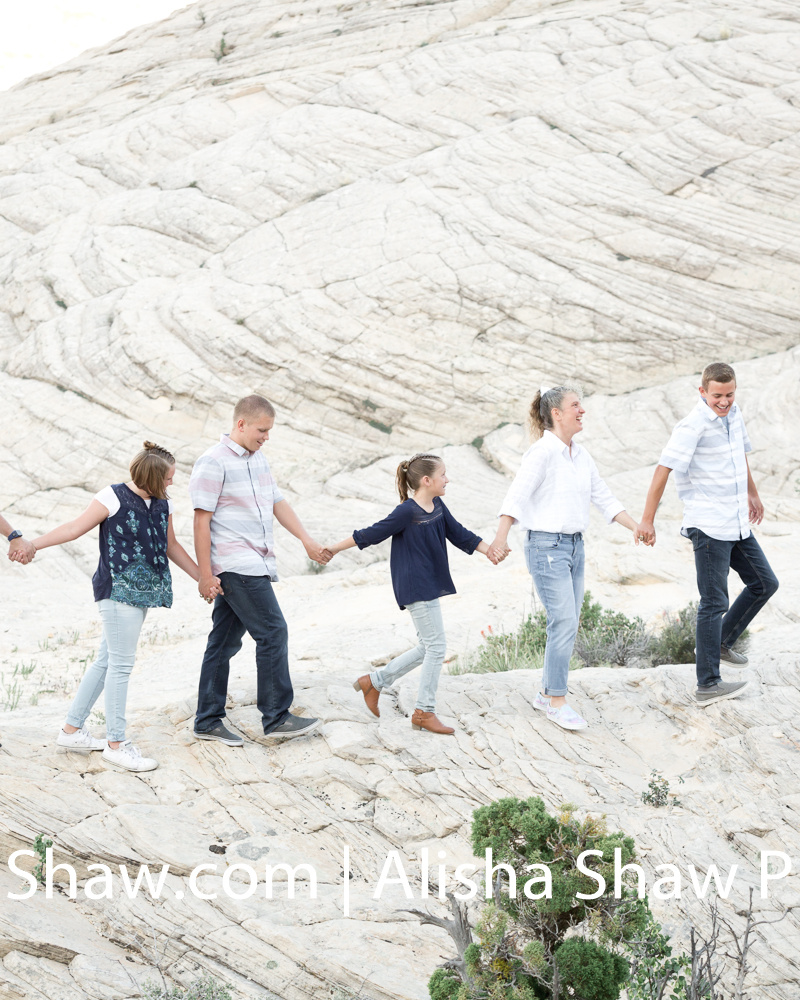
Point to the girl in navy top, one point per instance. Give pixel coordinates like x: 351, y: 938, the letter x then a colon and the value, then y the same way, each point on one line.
x: 419, y: 529
x: 136, y: 540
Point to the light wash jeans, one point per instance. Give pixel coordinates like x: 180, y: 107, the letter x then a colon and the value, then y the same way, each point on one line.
x: 122, y: 624
x: 427, y: 618
x: 555, y: 561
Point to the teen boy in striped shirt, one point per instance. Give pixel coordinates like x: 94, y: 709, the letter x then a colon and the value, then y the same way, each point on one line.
x: 234, y: 497
x: 708, y: 452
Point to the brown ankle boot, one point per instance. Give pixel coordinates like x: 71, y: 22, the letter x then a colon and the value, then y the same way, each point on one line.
x: 428, y: 721
x: 371, y: 694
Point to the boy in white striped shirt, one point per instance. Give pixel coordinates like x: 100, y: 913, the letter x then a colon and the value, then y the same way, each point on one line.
x: 708, y: 452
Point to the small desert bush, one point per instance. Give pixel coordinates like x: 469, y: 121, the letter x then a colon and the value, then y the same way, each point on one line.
x: 204, y: 988
x: 604, y: 637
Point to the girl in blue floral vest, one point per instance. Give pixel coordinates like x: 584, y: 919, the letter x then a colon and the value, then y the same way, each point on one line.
x: 136, y: 542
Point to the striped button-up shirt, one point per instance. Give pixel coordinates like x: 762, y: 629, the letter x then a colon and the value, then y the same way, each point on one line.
x: 237, y: 486
x: 554, y: 487
x: 710, y: 468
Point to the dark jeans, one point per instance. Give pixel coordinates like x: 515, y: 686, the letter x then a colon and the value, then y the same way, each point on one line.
x: 717, y: 625
x: 247, y: 604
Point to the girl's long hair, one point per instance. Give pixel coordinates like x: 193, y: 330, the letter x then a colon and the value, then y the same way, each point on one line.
x: 150, y: 468
x: 410, y: 473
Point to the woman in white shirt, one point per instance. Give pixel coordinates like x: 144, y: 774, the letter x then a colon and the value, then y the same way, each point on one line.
x: 549, y: 499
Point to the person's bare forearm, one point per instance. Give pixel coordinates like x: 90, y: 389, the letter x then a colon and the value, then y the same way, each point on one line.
x: 655, y: 493
x: 178, y: 554
x: 503, y: 528
x: 287, y: 518
x: 347, y: 543
x: 625, y: 519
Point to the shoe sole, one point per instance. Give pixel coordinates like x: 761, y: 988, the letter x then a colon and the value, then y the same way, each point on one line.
x: 569, y: 729
x: 80, y: 749
x: 290, y: 736
x: 124, y: 767
x: 219, y: 739
x: 722, y: 697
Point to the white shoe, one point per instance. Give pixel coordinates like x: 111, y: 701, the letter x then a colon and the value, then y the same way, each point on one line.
x: 541, y: 701
x: 128, y: 756
x: 566, y: 717
x: 81, y: 740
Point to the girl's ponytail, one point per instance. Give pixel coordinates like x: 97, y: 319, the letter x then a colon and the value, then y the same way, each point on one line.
x: 540, y: 416
x: 150, y: 468
x: 402, y: 480
x: 410, y: 473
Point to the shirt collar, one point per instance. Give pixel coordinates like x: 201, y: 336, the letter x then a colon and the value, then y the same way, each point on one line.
x: 709, y: 414
x: 554, y: 442
x: 234, y: 447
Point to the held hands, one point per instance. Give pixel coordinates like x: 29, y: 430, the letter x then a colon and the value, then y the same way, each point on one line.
x: 645, y: 532
x: 209, y: 587
x: 21, y: 551
x: 318, y: 553
x: 497, y: 551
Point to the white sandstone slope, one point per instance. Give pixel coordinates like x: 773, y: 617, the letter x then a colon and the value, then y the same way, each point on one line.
x: 395, y: 219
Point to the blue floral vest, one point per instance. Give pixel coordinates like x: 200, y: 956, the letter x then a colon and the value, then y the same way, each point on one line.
x: 133, y: 567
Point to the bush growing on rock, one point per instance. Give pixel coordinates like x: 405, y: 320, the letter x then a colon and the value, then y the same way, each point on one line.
x: 533, y: 949
x: 204, y: 988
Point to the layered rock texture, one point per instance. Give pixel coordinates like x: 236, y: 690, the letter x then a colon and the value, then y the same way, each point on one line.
x: 395, y: 219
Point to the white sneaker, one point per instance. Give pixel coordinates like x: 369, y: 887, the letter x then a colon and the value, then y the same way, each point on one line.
x: 541, y: 701
x: 128, y: 756
x: 566, y: 717
x: 81, y: 740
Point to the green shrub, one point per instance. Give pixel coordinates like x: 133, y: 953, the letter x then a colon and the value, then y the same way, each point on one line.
x: 591, y: 971
x: 604, y: 637
x: 674, y: 641
x: 204, y: 988
x: 444, y: 984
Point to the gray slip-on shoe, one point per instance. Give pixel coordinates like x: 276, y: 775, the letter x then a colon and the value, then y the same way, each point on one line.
x: 731, y: 656
x: 219, y: 732
x: 719, y: 692
x: 293, y: 725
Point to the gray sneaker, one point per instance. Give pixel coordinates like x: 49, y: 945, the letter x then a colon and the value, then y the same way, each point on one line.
x: 219, y: 732
x: 731, y: 656
x: 293, y: 725
x: 719, y: 692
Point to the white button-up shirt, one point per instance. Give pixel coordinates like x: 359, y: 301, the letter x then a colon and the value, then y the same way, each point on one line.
x: 554, y: 487
x: 710, y: 469
x: 238, y: 487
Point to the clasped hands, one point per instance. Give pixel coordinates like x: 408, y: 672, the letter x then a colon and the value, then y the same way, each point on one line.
x: 21, y: 551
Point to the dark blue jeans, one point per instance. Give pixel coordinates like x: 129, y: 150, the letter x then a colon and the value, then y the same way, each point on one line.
x: 248, y: 604
x: 718, y: 625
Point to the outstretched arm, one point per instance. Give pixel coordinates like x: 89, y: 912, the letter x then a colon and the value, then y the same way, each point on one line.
x: 90, y: 518
x: 499, y: 547
x: 654, y: 495
x: 346, y: 543
x: 286, y: 517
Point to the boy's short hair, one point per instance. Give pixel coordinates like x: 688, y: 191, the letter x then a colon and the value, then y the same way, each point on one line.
x: 718, y: 371
x: 250, y: 407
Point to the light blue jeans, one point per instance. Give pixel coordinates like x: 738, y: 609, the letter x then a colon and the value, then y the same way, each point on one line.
x: 555, y: 561
x: 427, y: 618
x: 122, y: 624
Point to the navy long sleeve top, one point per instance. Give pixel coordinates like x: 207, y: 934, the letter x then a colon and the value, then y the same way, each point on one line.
x: 420, y: 571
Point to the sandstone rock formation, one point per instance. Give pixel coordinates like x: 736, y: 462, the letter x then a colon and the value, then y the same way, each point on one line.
x: 395, y: 219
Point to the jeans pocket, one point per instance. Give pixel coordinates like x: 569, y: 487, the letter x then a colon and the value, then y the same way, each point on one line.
x: 698, y: 538
x: 545, y: 540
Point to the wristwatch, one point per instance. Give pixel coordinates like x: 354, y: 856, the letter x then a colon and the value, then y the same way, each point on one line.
x: 14, y: 534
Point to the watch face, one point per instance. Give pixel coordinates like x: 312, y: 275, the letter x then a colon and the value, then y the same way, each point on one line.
x: 14, y: 534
